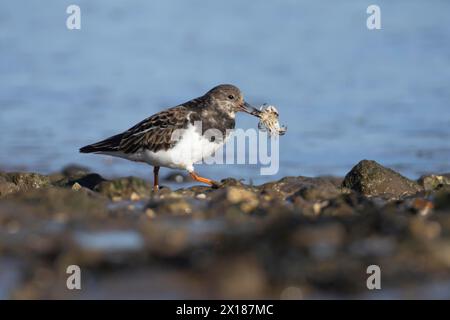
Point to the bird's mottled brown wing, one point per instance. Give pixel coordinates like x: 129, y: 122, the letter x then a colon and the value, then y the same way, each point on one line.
x: 155, y: 132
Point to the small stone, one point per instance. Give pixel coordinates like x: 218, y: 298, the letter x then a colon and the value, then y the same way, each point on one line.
x: 150, y: 213
x: 76, y: 186
x: 201, y: 196
x: 134, y: 197
x: 318, y: 206
x: 116, y: 198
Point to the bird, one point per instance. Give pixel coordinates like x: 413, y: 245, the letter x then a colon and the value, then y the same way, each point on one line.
x: 152, y: 140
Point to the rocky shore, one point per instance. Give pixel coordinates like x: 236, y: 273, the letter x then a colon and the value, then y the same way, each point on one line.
x: 298, y: 237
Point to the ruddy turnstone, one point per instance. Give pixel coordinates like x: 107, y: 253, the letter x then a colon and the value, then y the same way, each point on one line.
x: 152, y: 140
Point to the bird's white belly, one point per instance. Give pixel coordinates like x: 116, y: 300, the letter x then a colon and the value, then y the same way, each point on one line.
x: 192, y: 148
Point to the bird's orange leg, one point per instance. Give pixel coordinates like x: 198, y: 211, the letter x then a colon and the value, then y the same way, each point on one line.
x: 196, y: 177
x: 155, y: 179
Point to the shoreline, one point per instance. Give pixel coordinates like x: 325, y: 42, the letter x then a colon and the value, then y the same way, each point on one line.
x: 297, y: 237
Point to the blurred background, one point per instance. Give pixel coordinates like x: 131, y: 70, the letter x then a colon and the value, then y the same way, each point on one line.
x: 346, y: 93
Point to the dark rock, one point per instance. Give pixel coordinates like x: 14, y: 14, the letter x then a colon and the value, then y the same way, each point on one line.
x: 76, y: 174
x: 90, y: 181
x: 372, y: 179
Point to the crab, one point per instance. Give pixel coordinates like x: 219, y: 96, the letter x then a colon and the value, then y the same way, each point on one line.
x: 268, y: 120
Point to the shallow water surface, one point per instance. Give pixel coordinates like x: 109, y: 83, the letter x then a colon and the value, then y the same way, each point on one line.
x: 345, y: 93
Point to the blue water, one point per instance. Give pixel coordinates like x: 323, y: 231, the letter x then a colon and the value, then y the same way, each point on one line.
x: 345, y: 93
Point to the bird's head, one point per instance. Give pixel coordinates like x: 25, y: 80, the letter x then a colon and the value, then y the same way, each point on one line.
x: 230, y: 100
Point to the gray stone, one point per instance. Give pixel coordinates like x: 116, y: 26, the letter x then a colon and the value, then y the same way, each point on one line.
x: 372, y: 179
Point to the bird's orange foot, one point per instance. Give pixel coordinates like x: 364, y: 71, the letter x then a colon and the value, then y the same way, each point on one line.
x: 212, y: 183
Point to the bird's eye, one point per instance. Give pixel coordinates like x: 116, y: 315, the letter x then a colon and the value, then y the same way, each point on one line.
x: 231, y: 97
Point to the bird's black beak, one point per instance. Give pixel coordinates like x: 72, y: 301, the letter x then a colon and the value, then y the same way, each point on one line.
x: 247, y: 108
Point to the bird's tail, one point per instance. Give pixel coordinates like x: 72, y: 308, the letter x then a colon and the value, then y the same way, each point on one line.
x: 107, y: 145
